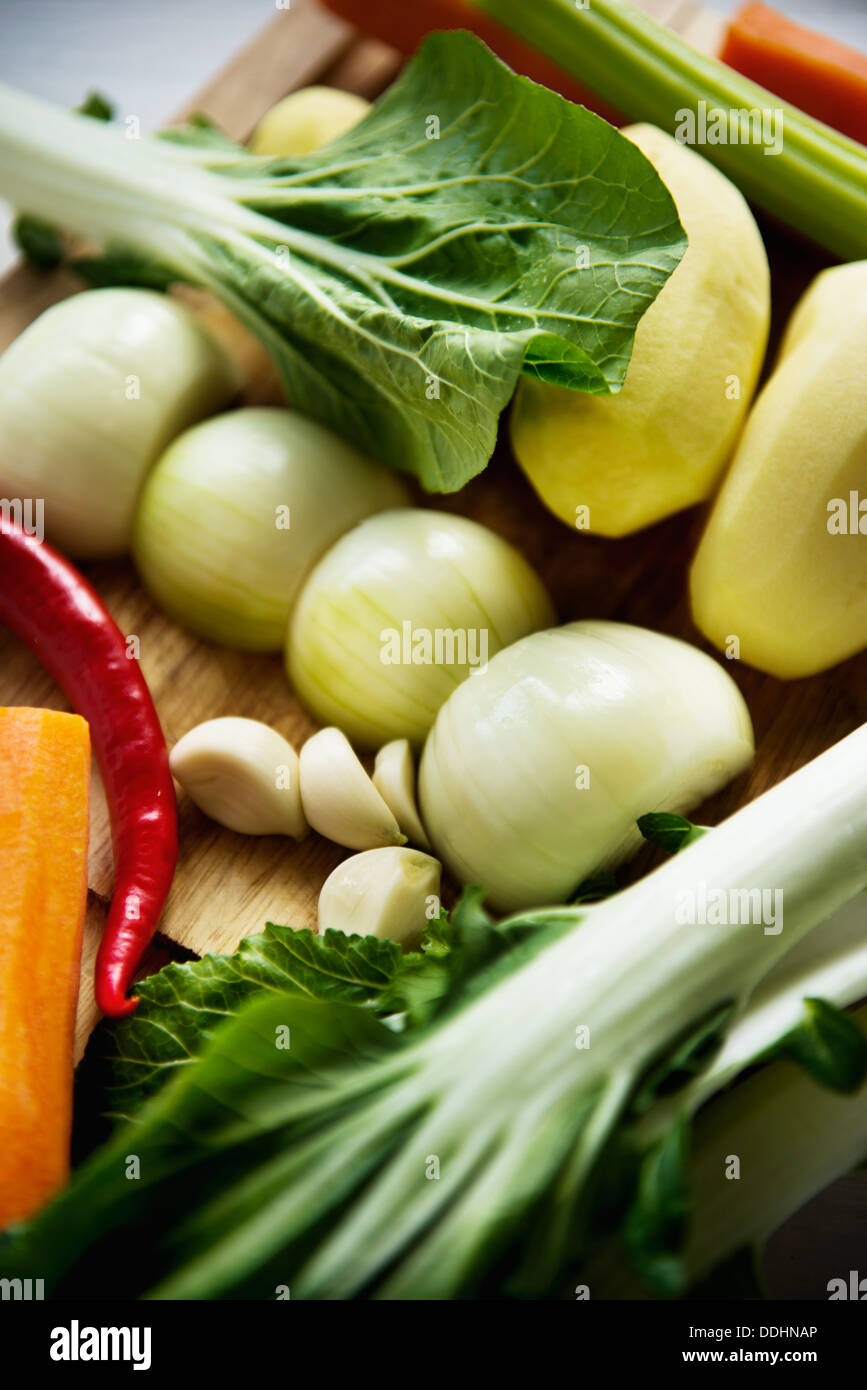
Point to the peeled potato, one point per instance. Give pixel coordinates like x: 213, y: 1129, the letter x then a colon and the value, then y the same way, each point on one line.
x: 663, y: 441
x: 306, y: 120
x: 782, y: 567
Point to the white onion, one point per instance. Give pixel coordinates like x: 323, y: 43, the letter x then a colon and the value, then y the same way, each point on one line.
x: 236, y: 512
x: 647, y: 722
x: 397, y: 586
x: 90, y: 394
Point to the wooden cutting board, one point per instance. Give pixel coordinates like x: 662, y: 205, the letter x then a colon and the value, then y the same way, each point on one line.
x: 228, y: 885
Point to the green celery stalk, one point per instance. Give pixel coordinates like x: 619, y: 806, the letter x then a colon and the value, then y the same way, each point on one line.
x: 817, y: 184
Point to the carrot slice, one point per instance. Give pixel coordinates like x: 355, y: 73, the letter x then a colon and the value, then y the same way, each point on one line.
x: 404, y: 23
x: 44, y: 797
x: 825, y: 78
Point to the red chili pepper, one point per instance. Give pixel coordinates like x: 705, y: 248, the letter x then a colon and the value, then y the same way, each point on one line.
x: 53, y: 609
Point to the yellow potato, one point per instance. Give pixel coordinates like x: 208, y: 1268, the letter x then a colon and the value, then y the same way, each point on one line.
x: 663, y: 441
x: 306, y: 120
x: 782, y: 566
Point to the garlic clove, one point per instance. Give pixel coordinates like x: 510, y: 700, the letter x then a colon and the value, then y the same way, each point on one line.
x: 390, y: 892
x: 242, y: 774
x: 394, y: 779
x: 338, y: 797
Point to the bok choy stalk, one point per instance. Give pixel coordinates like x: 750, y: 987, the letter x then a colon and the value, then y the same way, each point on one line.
x: 523, y: 1099
x: 474, y: 225
x: 792, y: 1137
x: 800, y: 170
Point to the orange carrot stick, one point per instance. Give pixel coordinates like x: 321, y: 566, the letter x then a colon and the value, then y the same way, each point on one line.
x: 44, y: 796
x: 825, y: 78
x: 404, y: 23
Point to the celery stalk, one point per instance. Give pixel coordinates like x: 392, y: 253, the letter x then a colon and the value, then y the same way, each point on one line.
x: 817, y: 184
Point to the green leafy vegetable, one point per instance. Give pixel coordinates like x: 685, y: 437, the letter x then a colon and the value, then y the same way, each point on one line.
x: 474, y: 225
x: 180, y: 1008
x: 313, y: 1147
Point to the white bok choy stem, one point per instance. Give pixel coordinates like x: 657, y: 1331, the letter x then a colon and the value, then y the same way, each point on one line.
x: 830, y: 963
x: 792, y: 1136
x: 500, y: 1091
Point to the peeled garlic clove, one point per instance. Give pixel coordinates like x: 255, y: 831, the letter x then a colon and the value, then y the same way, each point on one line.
x: 338, y: 797
x: 243, y: 775
x: 384, y: 892
x: 394, y: 779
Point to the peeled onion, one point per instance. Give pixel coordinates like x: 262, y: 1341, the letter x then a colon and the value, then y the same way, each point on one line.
x: 401, y: 587
x: 238, y: 510
x: 533, y: 777
x: 90, y: 395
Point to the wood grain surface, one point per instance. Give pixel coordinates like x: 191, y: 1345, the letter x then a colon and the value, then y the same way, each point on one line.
x: 228, y: 885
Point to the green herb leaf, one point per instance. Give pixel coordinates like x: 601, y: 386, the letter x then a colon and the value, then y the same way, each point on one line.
x: 97, y: 106
x: 670, y: 832
x: 829, y: 1045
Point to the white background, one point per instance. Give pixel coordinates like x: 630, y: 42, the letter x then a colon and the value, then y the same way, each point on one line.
x: 149, y: 56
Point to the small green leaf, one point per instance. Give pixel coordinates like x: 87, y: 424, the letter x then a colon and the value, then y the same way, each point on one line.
x: 829, y: 1045
x: 97, y: 106
x: 670, y: 832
